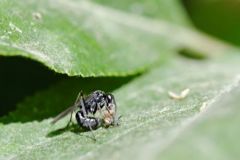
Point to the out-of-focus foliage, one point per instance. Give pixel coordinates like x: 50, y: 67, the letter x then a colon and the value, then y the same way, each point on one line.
x: 220, y: 18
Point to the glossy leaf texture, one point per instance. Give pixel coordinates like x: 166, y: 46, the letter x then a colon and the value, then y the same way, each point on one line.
x: 80, y: 37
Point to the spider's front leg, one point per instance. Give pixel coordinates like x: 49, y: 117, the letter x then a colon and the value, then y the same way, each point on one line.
x: 79, y: 97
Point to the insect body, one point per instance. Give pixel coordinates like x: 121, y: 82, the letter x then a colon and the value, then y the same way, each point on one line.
x: 88, y: 106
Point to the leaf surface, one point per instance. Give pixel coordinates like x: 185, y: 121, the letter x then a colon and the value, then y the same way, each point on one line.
x: 88, y: 39
x: 151, y: 119
x: 214, y: 133
x: 79, y: 37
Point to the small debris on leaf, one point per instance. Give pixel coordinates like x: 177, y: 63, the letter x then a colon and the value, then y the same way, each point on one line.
x: 182, y: 95
x: 37, y: 15
x: 203, y: 107
x: 14, y: 28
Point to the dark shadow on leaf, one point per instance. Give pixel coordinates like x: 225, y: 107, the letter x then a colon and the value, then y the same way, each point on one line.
x: 55, y: 95
x: 21, y: 77
x: 70, y: 128
x: 191, y: 53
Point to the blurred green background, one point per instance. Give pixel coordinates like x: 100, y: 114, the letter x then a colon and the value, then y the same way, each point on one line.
x: 220, y: 18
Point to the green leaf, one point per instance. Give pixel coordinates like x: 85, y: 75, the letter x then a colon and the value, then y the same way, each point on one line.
x: 95, y: 40
x: 211, y: 135
x: 167, y: 10
x: 77, y: 37
x: 151, y: 119
x: 88, y: 39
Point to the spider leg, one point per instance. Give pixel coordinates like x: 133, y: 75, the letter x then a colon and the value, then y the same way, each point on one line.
x: 100, y: 110
x: 75, y: 104
x: 82, y: 104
